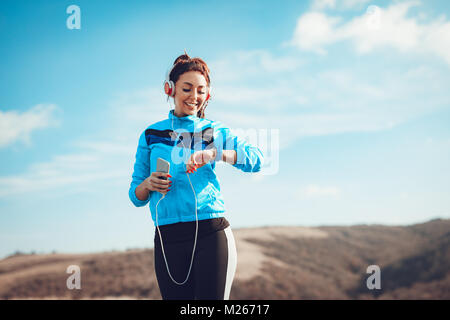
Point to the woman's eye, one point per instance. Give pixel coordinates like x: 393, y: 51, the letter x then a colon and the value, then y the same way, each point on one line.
x: 187, y: 90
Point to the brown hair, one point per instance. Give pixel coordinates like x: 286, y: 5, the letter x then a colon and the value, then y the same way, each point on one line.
x: 183, y: 64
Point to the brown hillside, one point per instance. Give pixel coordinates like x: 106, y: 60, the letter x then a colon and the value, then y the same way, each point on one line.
x: 273, y: 263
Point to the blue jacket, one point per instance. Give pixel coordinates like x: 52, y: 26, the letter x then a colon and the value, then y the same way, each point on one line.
x: 158, y: 140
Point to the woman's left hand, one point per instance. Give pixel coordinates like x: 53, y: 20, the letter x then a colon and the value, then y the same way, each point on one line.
x: 199, y: 158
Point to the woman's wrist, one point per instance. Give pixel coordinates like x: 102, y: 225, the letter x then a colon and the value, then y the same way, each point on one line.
x: 142, y: 192
x: 229, y: 156
x: 212, y: 154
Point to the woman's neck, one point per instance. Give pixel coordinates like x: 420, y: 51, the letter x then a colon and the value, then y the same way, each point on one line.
x: 179, y: 115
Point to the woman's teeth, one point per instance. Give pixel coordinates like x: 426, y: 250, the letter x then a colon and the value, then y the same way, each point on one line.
x: 191, y: 105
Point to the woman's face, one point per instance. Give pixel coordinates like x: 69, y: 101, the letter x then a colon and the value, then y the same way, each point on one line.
x: 190, y: 93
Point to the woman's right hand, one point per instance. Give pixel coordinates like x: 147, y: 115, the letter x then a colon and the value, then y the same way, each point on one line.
x: 156, y: 183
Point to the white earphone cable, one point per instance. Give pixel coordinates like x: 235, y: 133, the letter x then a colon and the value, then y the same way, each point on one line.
x: 196, y: 224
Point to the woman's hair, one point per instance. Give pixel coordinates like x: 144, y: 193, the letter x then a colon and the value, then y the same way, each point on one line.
x: 183, y: 64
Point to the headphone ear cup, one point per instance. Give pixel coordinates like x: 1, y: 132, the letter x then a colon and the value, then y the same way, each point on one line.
x: 166, y: 88
x: 169, y: 88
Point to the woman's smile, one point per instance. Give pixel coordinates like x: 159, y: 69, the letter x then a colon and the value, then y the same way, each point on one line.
x: 191, y: 105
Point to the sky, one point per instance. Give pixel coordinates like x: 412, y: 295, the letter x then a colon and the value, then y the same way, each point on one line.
x: 348, y: 99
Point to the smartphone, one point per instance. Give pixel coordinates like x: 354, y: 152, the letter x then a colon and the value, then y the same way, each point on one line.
x: 162, y: 166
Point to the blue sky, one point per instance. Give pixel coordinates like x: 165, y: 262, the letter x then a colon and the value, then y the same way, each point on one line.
x: 357, y: 91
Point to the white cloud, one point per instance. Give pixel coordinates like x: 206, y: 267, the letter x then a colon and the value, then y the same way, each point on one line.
x: 437, y: 38
x: 250, y: 64
x: 139, y: 107
x: 266, y: 97
x: 15, y: 126
x: 99, y: 160
x: 314, y: 31
x: 384, y: 28
x: 85, y: 170
x: 333, y: 101
x: 295, y: 126
x: 391, y: 27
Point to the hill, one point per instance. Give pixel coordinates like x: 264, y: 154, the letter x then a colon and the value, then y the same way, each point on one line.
x: 273, y: 263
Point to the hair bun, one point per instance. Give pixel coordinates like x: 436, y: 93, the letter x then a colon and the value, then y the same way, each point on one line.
x: 183, y: 58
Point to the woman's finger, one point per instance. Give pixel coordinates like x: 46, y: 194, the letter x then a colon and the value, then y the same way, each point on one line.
x: 164, y: 176
x: 160, y: 175
x: 161, y: 182
x: 192, y: 168
x: 163, y: 185
x: 163, y: 189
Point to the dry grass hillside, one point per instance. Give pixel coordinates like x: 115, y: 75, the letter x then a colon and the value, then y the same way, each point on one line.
x: 273, y: 263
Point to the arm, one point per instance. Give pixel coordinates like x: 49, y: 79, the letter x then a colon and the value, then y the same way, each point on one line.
x: 229, y: 148
x: 238, y: 152
x: 139, y: 195
x: 228, y: 156
x: 142, y: 192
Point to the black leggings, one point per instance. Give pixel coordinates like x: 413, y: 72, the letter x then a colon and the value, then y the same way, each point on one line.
x: 212, y: 270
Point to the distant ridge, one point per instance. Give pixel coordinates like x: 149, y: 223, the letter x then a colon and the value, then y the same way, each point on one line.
x: 273, y: 263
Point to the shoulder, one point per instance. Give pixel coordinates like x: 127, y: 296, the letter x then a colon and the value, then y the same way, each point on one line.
x: 160, y: 125
x: 215, y: 124
x: 159, y: 128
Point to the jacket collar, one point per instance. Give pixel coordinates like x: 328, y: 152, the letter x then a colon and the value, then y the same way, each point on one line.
x: 190, y: 118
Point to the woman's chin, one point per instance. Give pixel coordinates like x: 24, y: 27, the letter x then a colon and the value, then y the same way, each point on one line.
x: 188, y: 111
x: 191, y: 111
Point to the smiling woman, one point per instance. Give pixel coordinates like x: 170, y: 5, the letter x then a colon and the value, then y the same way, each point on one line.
x: 189, y: 78
x: 192, y: 197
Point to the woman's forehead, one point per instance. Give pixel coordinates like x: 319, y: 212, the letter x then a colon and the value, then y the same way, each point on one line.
x: 193, y: 78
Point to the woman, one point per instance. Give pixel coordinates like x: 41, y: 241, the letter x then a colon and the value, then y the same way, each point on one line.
x: 195, y: 252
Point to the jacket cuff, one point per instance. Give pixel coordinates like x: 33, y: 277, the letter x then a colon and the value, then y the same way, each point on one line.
x: 218, y: 154
x: 137, y: 202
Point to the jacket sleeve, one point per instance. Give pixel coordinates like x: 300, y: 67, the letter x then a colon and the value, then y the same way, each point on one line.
x: 141, y: 170
x: 248, y: 158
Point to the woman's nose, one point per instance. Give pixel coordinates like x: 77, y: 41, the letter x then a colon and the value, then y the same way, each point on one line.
x: 195, y: 94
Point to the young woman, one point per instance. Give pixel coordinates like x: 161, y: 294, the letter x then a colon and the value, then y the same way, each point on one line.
x: 195, y: 252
